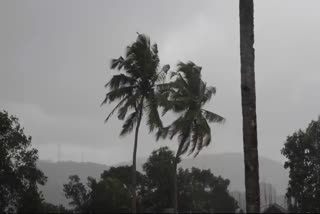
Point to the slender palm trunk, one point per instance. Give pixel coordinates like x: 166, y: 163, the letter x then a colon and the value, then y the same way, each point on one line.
x: 134, y: 159
x: 175, y: 181
x: 248, y: 94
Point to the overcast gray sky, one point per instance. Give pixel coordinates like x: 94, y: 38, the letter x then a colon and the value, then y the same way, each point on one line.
x: 54, y: 62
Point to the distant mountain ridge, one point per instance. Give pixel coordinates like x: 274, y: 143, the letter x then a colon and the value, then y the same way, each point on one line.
x: 229, y: 165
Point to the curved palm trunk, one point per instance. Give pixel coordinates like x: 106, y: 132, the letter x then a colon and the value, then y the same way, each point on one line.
x: 134, y: 160
x: 248, y: 94
x: 175, y: 181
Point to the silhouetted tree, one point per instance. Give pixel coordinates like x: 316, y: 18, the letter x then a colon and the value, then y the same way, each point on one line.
x: 19, y: 175
x: 135, y: 90
x: 159, y: 171
x: 77, y: 192
x: 109, y: 194
x: 123, y: 174
x: 248, y: 95
x: 199, y: 190
x: 187, y: 94
x: 202, y: 192
x: 302, y: 151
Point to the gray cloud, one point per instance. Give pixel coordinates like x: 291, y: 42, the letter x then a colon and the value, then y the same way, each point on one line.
x: 54, y: 61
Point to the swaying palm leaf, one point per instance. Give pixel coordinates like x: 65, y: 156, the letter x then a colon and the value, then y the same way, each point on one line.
x: 115, y: 108
x: 212, y: 117
x: 187, y: 94
x: 119, y: 93
x: 129, y: 124
x: 120, y: 80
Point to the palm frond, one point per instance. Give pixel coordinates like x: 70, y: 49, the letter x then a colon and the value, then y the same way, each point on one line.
x: 153, y: 118
x: 117, y: 63
x: 202, y: 133
x: 131, y: 103
x: 162, y: 133
x: 206, y: 135
x: 175, y: 127
x: 161, y: 77
x: 186, y: 68
x: 165, y: 68
x: 143, y: 40
x: 172, y: 74
x: 184, y: 144
x: 120, y: 80
x: 208, y: 93
x: 115, y: 108
x: 129, y: 123
x: 154, y: 48
x: 212, y: 117
x: 118, y: 94
x: 177, y: 106
x: 196, y: 136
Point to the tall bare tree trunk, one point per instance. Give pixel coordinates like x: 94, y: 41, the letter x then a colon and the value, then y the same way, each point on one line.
x: 248, y: 94
x: 134, y: 160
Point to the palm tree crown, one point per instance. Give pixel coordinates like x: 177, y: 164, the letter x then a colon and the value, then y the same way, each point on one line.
x: 187, y: 94
x: 136, y: 84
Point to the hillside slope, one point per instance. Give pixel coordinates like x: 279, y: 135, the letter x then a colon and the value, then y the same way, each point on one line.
x: 227, y: 165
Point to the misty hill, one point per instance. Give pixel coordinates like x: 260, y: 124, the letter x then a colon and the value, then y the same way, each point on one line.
x: 227, y: 165
x: 58, y: 173
x: 231, y: 166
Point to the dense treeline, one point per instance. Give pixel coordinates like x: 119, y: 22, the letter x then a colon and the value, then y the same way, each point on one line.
x: 19, y: 175
x: 198, y: 190
x: 302, y: 150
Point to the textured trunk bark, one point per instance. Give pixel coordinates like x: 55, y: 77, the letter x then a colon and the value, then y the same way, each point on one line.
x: 248, y: 94
x: 175, y: 181
x: 134, y: 165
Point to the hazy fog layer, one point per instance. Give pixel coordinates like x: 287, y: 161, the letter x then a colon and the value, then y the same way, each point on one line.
x: 54, y: 60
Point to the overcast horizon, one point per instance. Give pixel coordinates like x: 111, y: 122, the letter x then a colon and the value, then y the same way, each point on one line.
x: 55, y: 55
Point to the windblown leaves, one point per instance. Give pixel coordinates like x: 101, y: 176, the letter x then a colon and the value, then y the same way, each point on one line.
x: 186, y: 95
x: 139, y: 81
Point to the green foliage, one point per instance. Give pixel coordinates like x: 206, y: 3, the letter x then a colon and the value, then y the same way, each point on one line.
x: 187, y: 94
x: 19, y: 175
x: 302, y: 151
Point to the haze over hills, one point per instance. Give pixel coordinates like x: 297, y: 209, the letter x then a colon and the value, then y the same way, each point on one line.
x: 229, y: 165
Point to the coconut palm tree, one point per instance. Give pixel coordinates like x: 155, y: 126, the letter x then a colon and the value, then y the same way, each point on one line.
x: 187, y: 94
x: 134, y: 90
x: 248, y: 94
